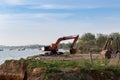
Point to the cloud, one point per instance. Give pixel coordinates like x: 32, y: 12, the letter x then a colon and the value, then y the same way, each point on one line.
x: 51, y: 17
x: 30, y: 28
x: 52, y: 6
x: 62, y: 4
x: 32, y: 18
x: 11, y: 2
x: 58, y: 6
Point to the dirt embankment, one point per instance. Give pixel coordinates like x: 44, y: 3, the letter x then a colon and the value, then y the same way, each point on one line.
x: 20, y: 70
x: 13, y: 70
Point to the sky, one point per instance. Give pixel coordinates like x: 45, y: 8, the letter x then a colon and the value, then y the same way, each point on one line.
x: 24, y: 22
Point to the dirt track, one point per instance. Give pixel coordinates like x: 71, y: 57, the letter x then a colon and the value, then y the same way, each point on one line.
x: 65, y: 57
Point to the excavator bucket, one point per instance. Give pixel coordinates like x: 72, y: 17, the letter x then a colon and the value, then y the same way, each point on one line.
x: 72, y: 51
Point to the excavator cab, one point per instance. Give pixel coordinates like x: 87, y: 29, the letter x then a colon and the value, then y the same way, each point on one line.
x: 53, y: 46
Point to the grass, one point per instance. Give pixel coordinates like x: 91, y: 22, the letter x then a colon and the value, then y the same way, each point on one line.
x: 55, y: 63
x: 71, y: 64
x: 76, y: 69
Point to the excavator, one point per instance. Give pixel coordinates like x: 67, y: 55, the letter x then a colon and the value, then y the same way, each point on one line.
x: 53, y: 48
x: 107, y: 50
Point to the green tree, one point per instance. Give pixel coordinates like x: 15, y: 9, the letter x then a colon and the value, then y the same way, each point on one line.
x: 88, y: 37
x: 86, y: 42
x: 100, y: 40
x: 114, y: 45
x: 115, y: 34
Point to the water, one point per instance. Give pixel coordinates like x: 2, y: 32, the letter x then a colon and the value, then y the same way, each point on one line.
x: 7, y: 54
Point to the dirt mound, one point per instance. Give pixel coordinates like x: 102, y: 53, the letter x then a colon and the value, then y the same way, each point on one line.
x: 13, y: 70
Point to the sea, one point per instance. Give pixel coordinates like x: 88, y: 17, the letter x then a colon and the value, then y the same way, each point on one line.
x: 16, y: 54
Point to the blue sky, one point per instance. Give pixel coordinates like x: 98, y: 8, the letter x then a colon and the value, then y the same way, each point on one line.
x: 25, y: 22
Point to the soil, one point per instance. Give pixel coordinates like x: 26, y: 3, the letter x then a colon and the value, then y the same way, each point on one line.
x: 65, y: 57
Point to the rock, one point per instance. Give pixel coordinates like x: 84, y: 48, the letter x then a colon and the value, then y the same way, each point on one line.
x: 37, y: 70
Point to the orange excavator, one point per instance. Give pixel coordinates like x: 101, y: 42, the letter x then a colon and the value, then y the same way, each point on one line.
x: 53, y: 48
x: 107, y: 51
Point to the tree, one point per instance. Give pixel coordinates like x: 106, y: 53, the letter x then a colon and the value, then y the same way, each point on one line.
x: 86, y: 42
x: 115, y: 34
x: 88, y: 37
x: 100, y: 40
x: 114, y: 45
